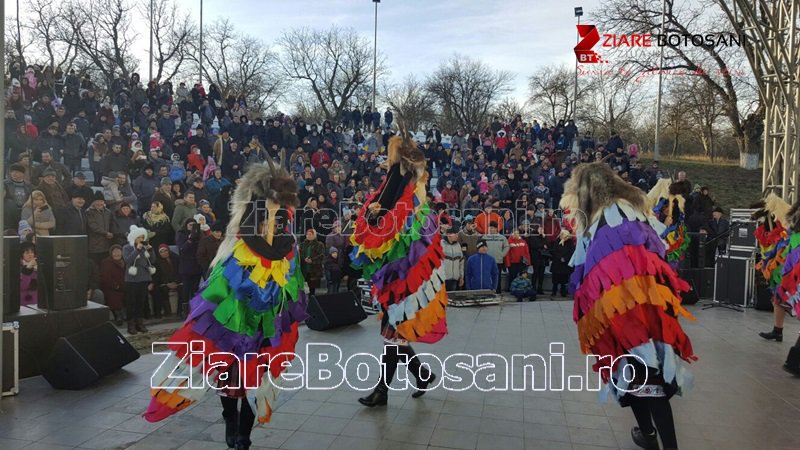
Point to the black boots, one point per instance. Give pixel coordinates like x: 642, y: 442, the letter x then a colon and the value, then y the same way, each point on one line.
x: 422, y: 385
x: 243, y: 444
x: 378, y: 397
x: 776, y: 334
x: 645, y: 441
x: 230, y: 431
x: 792, y: 364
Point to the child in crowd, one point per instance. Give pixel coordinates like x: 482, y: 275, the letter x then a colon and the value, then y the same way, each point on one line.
x: 522, y: 289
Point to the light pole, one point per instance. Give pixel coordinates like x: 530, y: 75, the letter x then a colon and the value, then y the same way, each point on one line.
x: 150, y: 77
x: 375, y: 56
x: 578, y: 14
x: 201, y: 43
x: 657, y: 146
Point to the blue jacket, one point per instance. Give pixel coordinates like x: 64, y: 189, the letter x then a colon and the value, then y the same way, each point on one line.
x: 481, y: 272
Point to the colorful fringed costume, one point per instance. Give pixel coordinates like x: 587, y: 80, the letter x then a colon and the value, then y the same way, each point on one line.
x: 399, y: 249
x: 773, y: 238
x: 396, y: 243
x: 627, y: 297
x: 788, y: 292
x: 251, y: 303
x: 668, y: 207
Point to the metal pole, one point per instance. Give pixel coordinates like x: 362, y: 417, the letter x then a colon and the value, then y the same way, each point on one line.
x: 375, y: 58
x: 150, y: 78
x: 575, y: 147
x: 201, y: 42
x: 657, y: 148
x: 3, y: 171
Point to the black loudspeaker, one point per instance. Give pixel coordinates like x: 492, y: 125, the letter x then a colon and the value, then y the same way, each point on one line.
x: 63, y: 271
x: 732, y: 280
x: 701, y: 279
x: 334, y: 310
x: 763, y: 297
x: 11, y: 258
x: 80, y: 360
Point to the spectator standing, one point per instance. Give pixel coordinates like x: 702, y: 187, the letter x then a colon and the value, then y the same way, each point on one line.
x: 518, y: 257
x: 187, y: 239
x: 166, y: 280
x: 208, y: 246
x: 16, y: 193
x: 560, y: 269
x: 112, y: 282
x: 39, y: 214
x: 498, y: 248
x: 184, y: 209
x: 144, y: 187
x: 74, y: 148
x: 312, y: 254
x: 481, y: 271
x: 139, y: 270
x: 453, y: 260
x: 72, y: 220
x: 78, y: 187
x: 165, y: 197
x: 485, y: 218
x: 158, y: 223
x: 469, y: 236
x: 117, y: 190
x: 99, y: 226
x: 333, y: 271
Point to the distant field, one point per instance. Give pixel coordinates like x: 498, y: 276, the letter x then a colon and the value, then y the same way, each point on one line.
x: 730, y: 186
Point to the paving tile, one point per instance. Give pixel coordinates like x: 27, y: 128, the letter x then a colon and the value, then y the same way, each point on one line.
x: 113, y: 439
x: 327, y: 425
x: 269, y: 437
x: 454, y: 439
x: 72, y: 435
x: 303, y: 440
x: 408, y: 434
x: 494, y: 441
x: 353, y: 443
x: 158, y: 443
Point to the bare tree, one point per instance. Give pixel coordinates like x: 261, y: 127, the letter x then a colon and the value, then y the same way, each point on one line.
x: 332, y: 64
x: 17, y: 41
x: 413, y: 106
x: 611, y: 99
x: 102, y: 33
x: 508, y: 108
x: 467, y: 90
x: 172, y: 36
x: 675, y: 115
x: 241, y: 65
x: 51, y: 38
x: 722, y: 68
x: 550, y: 92
x: 704, y: 111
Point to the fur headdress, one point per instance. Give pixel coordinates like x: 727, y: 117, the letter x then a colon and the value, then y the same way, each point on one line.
x: 659, y: 191
x: 261, y: 182
x: 592, y: 188
x: 773, y: 209
x: 136, y: 232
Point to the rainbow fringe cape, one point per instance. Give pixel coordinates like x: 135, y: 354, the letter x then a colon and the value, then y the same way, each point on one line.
x: 249, y: 308
x: 402, y: 256
x: 774, y: 248
x: 789, y: 288
x: 628, y: 297
x: 675, y: 235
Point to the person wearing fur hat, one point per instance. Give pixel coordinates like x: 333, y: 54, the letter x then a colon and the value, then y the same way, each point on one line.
x: 144, y: 187
x: 98, y: 222
x: 621, y: 267
x: 139, y: 257
x: 333, y: 270
x: 187, y: 240
x: 208, y: 246
x: 312, y: 253
x: 165, y: 280
x: 788, y: 292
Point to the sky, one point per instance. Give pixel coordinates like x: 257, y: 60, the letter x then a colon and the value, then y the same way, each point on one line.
x: 519, y: 36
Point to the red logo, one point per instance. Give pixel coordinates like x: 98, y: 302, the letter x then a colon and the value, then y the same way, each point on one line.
x: 589, y: 38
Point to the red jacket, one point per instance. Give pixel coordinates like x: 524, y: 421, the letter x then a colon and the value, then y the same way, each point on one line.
x: 483, y: 220
x: 450, y: 197
x: 317, y: 158
x: 517, y: 250
x: 196, y: 161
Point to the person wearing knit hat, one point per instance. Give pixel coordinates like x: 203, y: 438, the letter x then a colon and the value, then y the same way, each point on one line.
x: 201, y: 220
x: 24, y: 229
x: 139, y: 270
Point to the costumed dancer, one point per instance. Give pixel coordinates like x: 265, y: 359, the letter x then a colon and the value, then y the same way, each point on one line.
x: 627, y: 300
x: 772, y: 235
x: 251, y: 302
x: 396, y: 244
x: 669, y: 208
x: 789, y: 290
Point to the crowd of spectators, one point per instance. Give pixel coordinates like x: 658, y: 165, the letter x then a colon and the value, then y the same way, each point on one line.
x: 167, y: 158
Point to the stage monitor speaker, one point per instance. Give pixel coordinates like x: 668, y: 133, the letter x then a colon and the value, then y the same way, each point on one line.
x: 742, y: 237
x: 334, y: 310
x: 11, y: 258
x: 763, y: 297
x: 63, y: 271
x: 733, y: 282
x: 80, y: 360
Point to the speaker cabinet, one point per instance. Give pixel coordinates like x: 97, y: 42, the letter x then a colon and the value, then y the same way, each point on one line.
x: 734, y: 280
x: 334, y: 310
x: 63, y: 271
x: 80, y: 360
x: 10, y: 275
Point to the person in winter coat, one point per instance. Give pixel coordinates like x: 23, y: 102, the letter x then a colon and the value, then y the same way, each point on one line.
x: 74, y: 148
x: 28, y: 275
x: 184, y: 209
x: 165, y: 280
x: 338, y: 240
x: 453, y: 260
x: 522, y: 289
x: 560, y: 269
x: 158, y: 223
x: 117, y: 190
x: 16, y: 193
x: 165, y: 197
x: 72, y: 219
x: 187, y: 239
x: 208, y: 246
x: 481, y: 270
x: 215, y: 184
x: 498, y: 248
x: 333, y: 270
x: 112, y: 282
x: 139, y: 257
x: 39, y: 214
x: 99, y: 224
x: 53, y: 191
x: 312, y: 256
x: 144, y: 187
x: 517, y: 259
x: 121, y: 224
x: 487, y: 216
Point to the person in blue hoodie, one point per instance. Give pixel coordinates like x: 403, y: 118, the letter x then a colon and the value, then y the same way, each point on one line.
x: 481, y: 269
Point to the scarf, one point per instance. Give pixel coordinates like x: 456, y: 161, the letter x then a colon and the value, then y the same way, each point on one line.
x: 155, y: 218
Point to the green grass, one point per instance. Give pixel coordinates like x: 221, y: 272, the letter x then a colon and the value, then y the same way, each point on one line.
x: 730, y: 186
